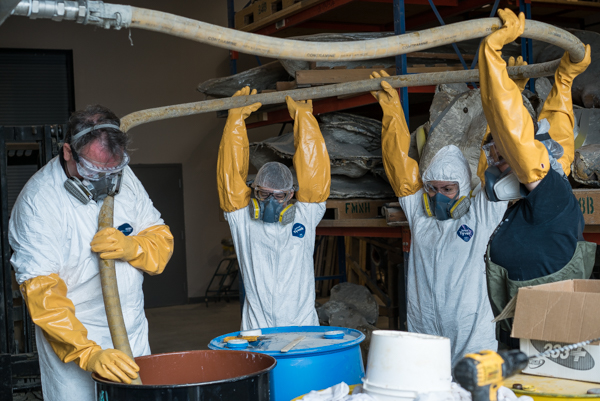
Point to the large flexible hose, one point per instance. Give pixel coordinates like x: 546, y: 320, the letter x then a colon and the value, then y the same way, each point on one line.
x: 120, y: 16
x: 267, y: 46
x: 400, y: 81
x: 110, y: 290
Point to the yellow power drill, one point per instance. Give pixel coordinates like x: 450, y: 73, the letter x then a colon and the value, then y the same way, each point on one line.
x: 483, y: 373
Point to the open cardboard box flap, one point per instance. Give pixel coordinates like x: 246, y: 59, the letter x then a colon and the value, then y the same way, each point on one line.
x: 562, y: 312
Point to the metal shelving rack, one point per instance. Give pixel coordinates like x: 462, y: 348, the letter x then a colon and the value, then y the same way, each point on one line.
x: 407, y: 15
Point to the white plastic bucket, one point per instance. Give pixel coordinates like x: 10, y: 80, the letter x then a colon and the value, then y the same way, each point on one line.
x: 386, y: 394
x: 402, y: 363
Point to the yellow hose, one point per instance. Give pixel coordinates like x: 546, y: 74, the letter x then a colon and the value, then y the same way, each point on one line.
x: 110, y: 290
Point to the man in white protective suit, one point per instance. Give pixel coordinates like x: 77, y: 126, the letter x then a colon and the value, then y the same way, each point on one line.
x: 274, y: 239
x: 54, y: 234
x: 446, y: 288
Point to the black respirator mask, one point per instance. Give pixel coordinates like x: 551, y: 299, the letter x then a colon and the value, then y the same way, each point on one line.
x: 87, y: 190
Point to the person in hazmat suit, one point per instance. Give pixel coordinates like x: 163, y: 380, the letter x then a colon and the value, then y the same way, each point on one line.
x: 446, y: 288
x: 540, y: 238
x: 53, y: 232
x: 274, y: 239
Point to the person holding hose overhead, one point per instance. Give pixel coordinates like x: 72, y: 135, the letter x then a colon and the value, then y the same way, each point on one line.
x: 54, y: 233
x: 446, y: 289
x: 540, y: 238
x: 274, y: 239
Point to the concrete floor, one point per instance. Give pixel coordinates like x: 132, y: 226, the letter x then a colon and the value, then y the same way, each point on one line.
x: 191, y: 327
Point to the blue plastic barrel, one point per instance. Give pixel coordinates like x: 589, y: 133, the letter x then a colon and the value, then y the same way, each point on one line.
x: 314, y: 364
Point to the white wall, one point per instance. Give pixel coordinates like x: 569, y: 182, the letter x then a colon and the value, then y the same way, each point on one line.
x: 157, y: 70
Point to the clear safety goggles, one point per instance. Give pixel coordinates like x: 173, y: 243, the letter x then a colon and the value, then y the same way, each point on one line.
x: 92, y: 172
x: 492, y: 155
x: 263, y: 194
x: 449, y: 189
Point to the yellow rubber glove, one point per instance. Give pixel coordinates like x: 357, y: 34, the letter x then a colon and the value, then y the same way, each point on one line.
x: 50, y: 309
x: 517, y: 63
x: 113, y: 365
x: 401, y: 170
x: 482, y: 164
x: 149, y: 251
x: 558, y: 107
x: 232, y: 163
x: 509, y: 121
x: 311, y: 160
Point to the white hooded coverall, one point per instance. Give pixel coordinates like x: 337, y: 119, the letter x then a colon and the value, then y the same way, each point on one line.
x: 50, y: 232
x: 446, y: 288
x: 276, y: 261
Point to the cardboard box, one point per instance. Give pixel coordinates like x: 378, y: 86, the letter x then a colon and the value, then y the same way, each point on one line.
x: 582, y: 363
x: 552, y: 315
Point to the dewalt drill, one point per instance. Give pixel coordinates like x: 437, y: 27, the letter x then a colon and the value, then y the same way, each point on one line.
x: 484, y: 372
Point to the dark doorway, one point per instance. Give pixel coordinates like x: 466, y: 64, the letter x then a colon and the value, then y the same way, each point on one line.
x: 164, y: 184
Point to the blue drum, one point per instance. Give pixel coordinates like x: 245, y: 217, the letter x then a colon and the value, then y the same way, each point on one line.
x: 316, y: 362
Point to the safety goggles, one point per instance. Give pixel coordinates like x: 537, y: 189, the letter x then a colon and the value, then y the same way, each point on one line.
x: 449, y: 189
x: 92, y: 172
x: 492, y: 155
x: 280, y: 196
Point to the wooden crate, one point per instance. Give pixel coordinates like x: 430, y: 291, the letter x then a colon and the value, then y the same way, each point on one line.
x: 589, y: 202
x: 258, y: 10
x: 245, y: 16
x: 268, y: 16
x: 289, y: 3
x: 351, y: 209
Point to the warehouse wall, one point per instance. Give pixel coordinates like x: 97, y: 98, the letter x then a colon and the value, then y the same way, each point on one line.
x: 157, y: 70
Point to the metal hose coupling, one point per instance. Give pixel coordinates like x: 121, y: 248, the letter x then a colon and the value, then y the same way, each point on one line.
x: 83, y: 11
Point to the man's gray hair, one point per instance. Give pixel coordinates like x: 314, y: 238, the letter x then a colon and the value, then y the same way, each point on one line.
x: 113, y: 140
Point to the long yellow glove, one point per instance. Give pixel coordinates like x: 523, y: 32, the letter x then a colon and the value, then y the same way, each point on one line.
x: 54, y: 313
x: 401, y: 170
x: 512, y: 62
x: 558, y: 108
x: 232, y: 163
x: 509, y: 120
x: 483, y: 165
x: 311, y: 160
x: 149, y: 251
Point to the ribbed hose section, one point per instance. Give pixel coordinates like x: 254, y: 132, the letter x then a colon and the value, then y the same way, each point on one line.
x: 400, y: 81
x: 110, y: 290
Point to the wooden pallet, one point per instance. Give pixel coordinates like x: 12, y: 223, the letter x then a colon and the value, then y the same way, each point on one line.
x: 264, y: 12
x: 326, y: 264
x: 256, y: 11
x: 394, y: 215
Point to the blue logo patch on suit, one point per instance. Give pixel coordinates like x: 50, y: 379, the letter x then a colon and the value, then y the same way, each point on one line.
x: 298, y: 230
x: 465, y: 233
x: 125, y: 229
